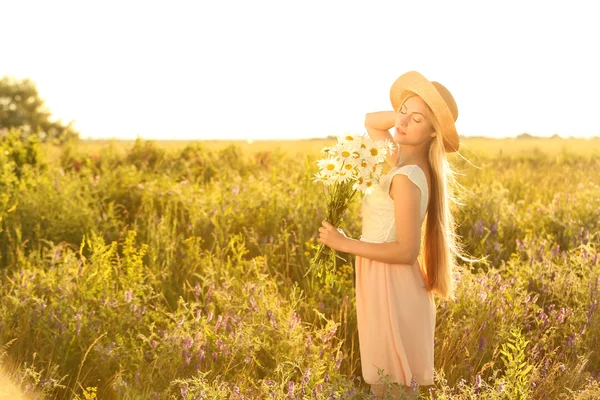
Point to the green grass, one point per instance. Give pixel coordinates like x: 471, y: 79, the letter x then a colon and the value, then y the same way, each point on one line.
x: 175, y: 270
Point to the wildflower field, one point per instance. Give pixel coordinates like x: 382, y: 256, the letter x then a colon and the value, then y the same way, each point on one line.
x: 147, y: 270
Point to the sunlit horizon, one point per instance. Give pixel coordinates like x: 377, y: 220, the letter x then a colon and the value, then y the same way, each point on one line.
x: 268, y: 70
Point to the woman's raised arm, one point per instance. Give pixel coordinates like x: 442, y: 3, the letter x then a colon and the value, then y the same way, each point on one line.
x: 378, y: 126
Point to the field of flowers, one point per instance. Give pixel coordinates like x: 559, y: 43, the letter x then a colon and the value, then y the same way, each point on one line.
x: 157, y: 272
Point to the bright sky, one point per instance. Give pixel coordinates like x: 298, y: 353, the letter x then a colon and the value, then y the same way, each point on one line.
x: 298, y: 69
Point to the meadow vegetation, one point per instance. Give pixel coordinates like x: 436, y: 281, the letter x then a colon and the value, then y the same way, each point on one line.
x: 146, y: 270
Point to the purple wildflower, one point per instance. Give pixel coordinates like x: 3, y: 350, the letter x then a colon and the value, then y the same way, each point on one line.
x: 481, y: 343
x: 308, y: 344
x: 128, y: 296
x: 218, y: 324
x: 478, y: 227
x: 197, y: 291
x: 413, y: 384
x: 477, y: 384
x: 338, y: 362
x: 272, y: 319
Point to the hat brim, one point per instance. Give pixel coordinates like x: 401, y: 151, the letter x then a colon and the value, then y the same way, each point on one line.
x: 414, y: 82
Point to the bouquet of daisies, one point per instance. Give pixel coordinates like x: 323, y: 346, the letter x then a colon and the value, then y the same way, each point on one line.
x: 352, y: 164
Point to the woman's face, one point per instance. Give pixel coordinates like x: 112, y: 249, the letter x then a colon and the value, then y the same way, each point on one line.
x: 413, y: 124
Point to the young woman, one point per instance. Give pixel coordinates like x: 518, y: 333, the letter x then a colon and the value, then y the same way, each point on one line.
x: 396, y: 312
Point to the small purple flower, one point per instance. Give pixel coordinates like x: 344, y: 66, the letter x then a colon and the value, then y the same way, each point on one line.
x: 218, y: 324
x: 272, y: 319
x: 331, y: 334
x: 128, y: 296
x: 197, y: 291
x: 253, y: 304
x: 290, y: 389
x: 294, y: 320
x: 481, y: 343
x: 308, y: 345
x: 413, y: 384
x: 477, y: 384
x: 184, y: 391
x: 478, y: 227
x: 338, y: 362
x: 209, y: 294
x: 305, y: 377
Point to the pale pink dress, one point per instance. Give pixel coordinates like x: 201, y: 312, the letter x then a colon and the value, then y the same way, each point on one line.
x: 396, y: 316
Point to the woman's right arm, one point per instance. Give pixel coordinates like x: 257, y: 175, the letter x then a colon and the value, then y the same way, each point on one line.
x: 378, y: 125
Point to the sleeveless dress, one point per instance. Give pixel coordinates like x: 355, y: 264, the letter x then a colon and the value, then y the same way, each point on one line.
x: 396, y: 316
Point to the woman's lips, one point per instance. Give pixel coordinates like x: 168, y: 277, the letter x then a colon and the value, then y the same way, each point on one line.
x: 400, y: 132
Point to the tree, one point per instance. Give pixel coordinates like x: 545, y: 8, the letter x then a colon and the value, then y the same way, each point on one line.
x: 21, y: 107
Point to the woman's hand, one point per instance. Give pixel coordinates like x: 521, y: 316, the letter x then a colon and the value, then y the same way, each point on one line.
x: 332, y: 237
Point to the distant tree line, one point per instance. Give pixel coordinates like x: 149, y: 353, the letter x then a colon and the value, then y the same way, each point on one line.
x: 22, y: 107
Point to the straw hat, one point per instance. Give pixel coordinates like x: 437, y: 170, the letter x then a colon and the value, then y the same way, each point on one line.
x: 437, y: 97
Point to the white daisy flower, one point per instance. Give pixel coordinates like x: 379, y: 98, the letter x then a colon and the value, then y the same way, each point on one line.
x: 323, y: 178
x: 328, y: 166
x: 343, y: 176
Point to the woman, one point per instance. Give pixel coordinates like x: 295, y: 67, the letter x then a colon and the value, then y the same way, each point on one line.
x: 396, y: 312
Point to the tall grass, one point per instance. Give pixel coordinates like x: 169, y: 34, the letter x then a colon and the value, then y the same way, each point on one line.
x: 161, y: 273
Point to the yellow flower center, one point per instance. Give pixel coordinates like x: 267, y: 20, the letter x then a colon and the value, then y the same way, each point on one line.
x: 374, y: 152
x: 349, y: 138
x: 363, y: 164
x: 330, y: 167
x: 356, y: 154
x: 369, y: 184
x: 360, y: 180
x: 363, y: 146
x: 345, y: 153
x: 348, y: 166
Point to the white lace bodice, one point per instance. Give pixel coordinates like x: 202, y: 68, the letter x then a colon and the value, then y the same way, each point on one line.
x: 378, y: 222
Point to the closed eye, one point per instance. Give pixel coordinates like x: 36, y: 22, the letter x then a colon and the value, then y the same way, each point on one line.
x: 403, y: 111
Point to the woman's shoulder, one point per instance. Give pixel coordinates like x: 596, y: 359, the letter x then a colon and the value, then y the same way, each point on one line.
x: 416, y: 173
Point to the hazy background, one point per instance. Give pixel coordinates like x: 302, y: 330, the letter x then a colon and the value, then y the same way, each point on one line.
x: 283, y: 70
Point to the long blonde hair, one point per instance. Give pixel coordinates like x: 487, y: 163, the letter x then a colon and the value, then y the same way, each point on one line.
x: 440, y: 243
